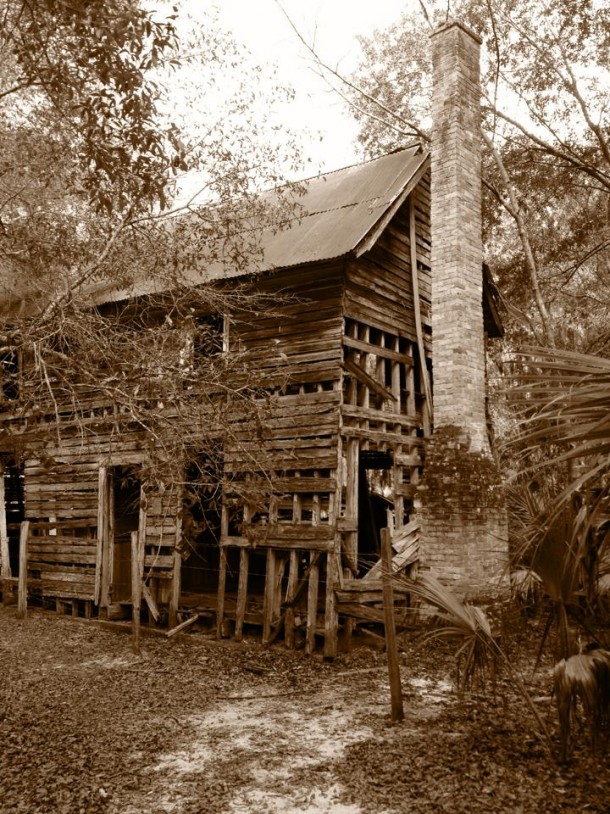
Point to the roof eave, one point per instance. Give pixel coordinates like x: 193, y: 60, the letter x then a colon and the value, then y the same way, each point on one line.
x: 367, y: 242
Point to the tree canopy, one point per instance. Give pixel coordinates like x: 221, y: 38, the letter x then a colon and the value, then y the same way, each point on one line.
x: 92, y: 154
x: 547, y: 156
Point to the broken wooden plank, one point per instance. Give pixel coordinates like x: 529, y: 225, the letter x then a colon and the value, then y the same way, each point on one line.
x: 152, y: 605
x: 405, y: 543
x: 182, y: 626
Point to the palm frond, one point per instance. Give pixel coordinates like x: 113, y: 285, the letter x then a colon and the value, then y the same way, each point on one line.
x: 585, y: 679
x: 478, y: 654
x: 563, y: 398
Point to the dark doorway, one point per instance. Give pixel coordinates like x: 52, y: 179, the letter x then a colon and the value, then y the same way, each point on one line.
x: 15, y: 510
x: 126, y: 487
x: 201, y: 521
x: 373, y: 506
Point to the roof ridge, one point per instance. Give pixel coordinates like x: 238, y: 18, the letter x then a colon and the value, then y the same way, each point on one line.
x: 349, y: 166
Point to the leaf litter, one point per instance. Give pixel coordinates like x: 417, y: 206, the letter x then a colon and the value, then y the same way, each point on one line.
x: 196, y: 726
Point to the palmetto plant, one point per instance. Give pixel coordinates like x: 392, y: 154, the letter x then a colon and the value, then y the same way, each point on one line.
x: 563, y: 403
x: 563, y: 406
x: 466, y: 625
x: 478, y: 653
x: 583, y: 678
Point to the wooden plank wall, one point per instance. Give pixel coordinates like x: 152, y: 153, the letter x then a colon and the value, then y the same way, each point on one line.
x: 384, y: 408
x: 337, y: 359
x: 62, y: 494
x: 298, y: 355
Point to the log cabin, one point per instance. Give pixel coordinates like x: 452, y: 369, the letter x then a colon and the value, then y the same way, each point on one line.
x: 350, y: 360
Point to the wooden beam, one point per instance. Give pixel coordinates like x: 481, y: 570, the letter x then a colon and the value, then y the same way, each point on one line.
x: 331, y: 619
x: 102, y: 506
x: 417, y: 313
x: 369, y: 381
x: 351, y: 503
x: 242, y: 593
x: 22, y: 585
x: 312, y: 603
x: 222, y: 585
x: 222, y: 570
x: 182, y: 626
x: 293, y: 577
x: 174, y: 601
x: 152, y: 605
x: 390, y: 627
x: 108, y: 541
x: 5, y: 561
x: 269, y: 598
x: 137, y: 567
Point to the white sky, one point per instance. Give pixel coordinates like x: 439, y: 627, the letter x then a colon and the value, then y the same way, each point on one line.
x: 320, y: 115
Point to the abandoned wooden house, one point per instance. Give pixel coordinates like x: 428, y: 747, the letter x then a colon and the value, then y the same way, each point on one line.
x: 390, y: 305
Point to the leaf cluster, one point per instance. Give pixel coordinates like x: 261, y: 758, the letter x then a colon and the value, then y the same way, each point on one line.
x: 88, y: 68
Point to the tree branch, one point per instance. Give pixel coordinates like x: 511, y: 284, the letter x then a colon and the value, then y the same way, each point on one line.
x: 318, y: 60
x: 530, y: 260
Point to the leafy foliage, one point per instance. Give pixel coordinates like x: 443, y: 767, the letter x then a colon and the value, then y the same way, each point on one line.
x: 91, y: 212
x: 546, y: 150
x: 84, y: 74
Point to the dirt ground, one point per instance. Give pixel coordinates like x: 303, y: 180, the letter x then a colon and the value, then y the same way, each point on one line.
x: 195, y: 726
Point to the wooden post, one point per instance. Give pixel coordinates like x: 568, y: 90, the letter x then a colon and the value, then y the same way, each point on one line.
x: 269, y: 598
x: 107, y: 540
x: 5, y: 561
x: 312, y: 603
x: 137, y: 568
x: 174, y: 601
x: 22, y: 587
x: 427, y: 387
x: 222, y: 585
x: 242, y: 593
x: 293, y: 578
x: 390, y: 627
x: 102, y: 507
x: 331, y: 621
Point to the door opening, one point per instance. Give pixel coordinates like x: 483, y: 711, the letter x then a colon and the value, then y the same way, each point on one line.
x: 374, y: 505
x: 124, y: 492
x: 201, y: 523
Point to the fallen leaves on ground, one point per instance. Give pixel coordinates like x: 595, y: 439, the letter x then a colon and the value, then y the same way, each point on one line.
x: 196, y: 726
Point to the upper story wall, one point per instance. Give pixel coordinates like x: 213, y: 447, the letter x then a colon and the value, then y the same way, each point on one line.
x: 379, y: 286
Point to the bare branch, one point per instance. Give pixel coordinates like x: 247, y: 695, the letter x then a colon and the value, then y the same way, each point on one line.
x: 572, y: 159
x: 410, y: 126
x: 530, y: 259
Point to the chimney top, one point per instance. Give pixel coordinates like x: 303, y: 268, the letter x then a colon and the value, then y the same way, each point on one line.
x: 450, y: 23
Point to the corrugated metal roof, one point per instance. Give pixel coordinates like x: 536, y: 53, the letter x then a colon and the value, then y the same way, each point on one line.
x: 336, y: 212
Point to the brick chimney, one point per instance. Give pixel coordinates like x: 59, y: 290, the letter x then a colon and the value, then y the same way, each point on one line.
x: 462, y: 510
x: 457, y: 245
